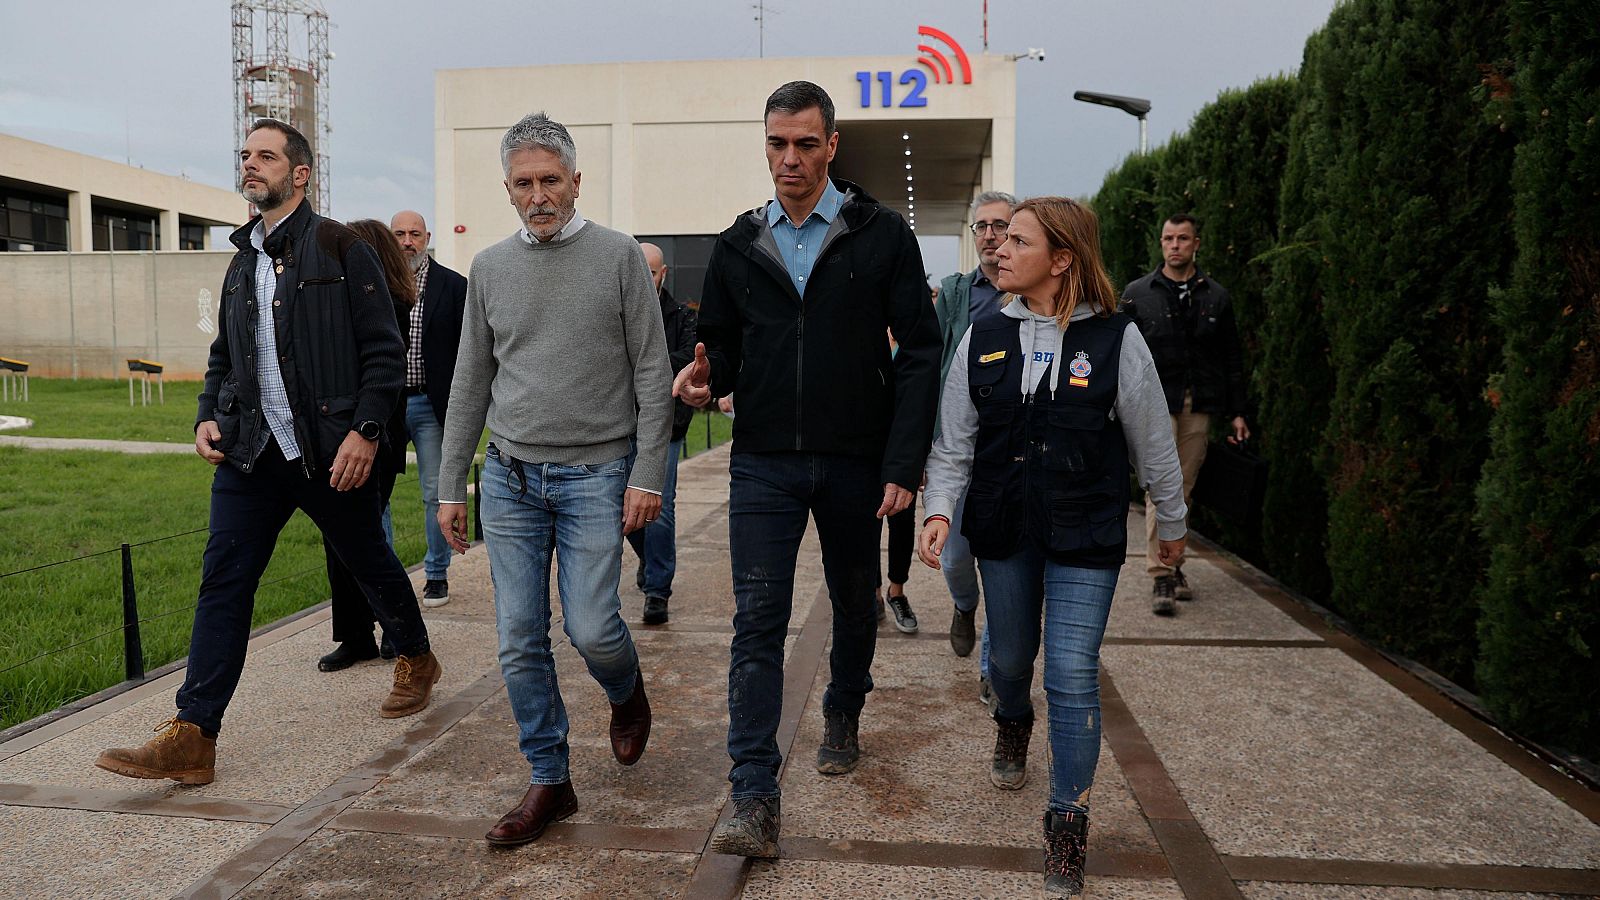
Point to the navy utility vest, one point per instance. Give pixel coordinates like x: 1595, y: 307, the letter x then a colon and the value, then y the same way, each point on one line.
x: 1049, y: 470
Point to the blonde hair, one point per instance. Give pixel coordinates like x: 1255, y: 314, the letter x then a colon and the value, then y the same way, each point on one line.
x: 1069, y: 225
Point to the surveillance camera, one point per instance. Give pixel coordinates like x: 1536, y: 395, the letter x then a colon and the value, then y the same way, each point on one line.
x: 1036, y: 53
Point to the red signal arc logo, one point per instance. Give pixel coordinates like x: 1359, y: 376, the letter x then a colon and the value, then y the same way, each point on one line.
x: 936, y: 62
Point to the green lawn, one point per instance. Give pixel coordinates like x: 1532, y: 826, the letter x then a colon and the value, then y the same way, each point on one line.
x: 57, y: 506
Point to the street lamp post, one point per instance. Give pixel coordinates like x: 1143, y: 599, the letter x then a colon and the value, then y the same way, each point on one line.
x: 1133, y: 106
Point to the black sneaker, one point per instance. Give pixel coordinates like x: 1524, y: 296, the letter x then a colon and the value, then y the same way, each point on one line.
x: 753, y: 830
x: 904, y: 618
x: 963, y: 632
x: 841, y: 748
x: 1181, y: 588
x: 1161, y: 596
x: 385, y: 649
x: 1066, y: 840
x: 435, y: 593
x: 655, y: 610
x: 348, y: 654
x: 1009, y: 770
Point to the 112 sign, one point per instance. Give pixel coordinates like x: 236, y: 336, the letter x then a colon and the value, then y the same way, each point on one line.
x: 913, y: 77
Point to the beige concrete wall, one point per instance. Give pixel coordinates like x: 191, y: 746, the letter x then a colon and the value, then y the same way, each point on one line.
x: 666, y: 147
x: 84, y: 314
x: 84, y: 176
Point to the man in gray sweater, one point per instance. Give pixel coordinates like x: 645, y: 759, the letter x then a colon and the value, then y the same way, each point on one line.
x: 563, y: 356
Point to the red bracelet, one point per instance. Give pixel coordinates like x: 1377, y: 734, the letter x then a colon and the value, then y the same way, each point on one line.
x: 936, y: 516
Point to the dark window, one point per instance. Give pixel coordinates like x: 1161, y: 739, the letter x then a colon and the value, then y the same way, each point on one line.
x: 115, y: 229
x: 32, y: 222
x: 686, y: 256
x: 191, y: 237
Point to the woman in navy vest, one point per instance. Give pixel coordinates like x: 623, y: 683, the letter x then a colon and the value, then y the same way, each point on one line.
x: 1050, y: 400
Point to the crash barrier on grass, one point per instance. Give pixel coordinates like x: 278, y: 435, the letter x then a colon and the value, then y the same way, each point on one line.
x: 133, y: 655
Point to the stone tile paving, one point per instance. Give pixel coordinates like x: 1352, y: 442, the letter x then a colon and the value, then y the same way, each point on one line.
x: 1227, y: 748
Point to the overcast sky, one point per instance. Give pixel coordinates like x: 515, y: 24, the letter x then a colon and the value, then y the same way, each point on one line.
x: 149, y: 82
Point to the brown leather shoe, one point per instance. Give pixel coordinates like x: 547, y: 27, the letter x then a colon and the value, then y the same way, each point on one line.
x: 413, y: 685
x: 630, y: 724
x: 543, y: 804
x: 179, y: 751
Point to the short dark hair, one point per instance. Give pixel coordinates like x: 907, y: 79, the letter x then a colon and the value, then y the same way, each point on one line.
x: 1183, y: 219
x: 297, y: 148
x: 799, y: 96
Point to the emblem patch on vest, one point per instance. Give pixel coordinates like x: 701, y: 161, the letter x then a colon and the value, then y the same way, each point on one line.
x: 991, y: 357
x: 1079, y: 369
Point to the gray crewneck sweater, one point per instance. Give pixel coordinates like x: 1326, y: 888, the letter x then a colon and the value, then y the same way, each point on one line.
x: 564, y: 356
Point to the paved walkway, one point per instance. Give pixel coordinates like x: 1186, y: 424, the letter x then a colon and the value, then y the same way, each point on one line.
x: 1249, y: 751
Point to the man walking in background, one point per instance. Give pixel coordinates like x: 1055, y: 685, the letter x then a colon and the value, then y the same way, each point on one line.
x: 1187, y: 319
x: 961, y: 299
x: 657, y: 543
x: 562, y: 355
x: 798, y: 295
x: 430, y: 364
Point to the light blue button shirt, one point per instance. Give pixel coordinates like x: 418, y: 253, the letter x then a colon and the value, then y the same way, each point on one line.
x: 274, y: 399
x: 798, y: 245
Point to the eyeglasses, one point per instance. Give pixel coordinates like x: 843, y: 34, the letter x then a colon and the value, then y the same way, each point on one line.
x: 1000, y: 228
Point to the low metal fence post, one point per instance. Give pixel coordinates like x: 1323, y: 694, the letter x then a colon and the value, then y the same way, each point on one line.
x: 132, y: 648
x: 477, y: 504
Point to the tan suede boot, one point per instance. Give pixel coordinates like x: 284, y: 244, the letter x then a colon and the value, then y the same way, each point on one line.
x: 178, y: 751
x: 414, y: 677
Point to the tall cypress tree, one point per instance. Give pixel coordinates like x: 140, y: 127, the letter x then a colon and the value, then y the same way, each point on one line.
x: 1416, y: 200
x: 1126, y: 207
x: 1539, y: 501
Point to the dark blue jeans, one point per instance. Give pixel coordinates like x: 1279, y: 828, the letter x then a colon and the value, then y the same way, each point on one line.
x: 770, y: 497
x: 247, y: 513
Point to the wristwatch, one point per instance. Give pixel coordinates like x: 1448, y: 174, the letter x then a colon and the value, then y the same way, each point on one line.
x: 369, y: 429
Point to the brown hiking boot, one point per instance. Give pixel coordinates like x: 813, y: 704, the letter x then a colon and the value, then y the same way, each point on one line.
x: 1009, y: 771
x: 413, y: 685
x: 178, y: 751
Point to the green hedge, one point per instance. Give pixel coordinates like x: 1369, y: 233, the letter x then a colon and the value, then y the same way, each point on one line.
x: 1428, y: 388
x: 1539, y: 500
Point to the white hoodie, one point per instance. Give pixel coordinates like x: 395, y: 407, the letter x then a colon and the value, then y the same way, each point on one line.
x: 1141, y: 409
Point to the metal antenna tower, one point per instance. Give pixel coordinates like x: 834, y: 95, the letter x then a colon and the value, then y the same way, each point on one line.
x: 276, y: 77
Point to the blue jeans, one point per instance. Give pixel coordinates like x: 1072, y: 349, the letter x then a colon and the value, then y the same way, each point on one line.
x: 657, y: 543
x: 770, y: 497
x: 529, y: 511
x: 248, y: 510
x: 961, y: 576
x: 427, y: 435
x: 1075, y: 604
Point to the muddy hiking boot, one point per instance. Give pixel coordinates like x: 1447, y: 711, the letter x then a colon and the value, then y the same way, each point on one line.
x: 753, y: 830
x: 1180, y: 585
x: 1066, y: 841
x: 180, y: 751
x: 841, y: 747
x: 1162, y: 594
x: 963, y: 632
x: 414, y: 677
x: 1009, y: 770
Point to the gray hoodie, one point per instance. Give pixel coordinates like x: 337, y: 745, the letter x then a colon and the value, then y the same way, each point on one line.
x: 1141, y: 408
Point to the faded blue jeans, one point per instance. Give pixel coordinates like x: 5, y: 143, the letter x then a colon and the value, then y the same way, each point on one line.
x: 1075, y: 604
x: 427, y: 435
x: 529, y: 511
x: 657, y: 543
x: 961, y: 576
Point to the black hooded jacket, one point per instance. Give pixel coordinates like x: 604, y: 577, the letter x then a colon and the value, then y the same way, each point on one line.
x: 816, y: 375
